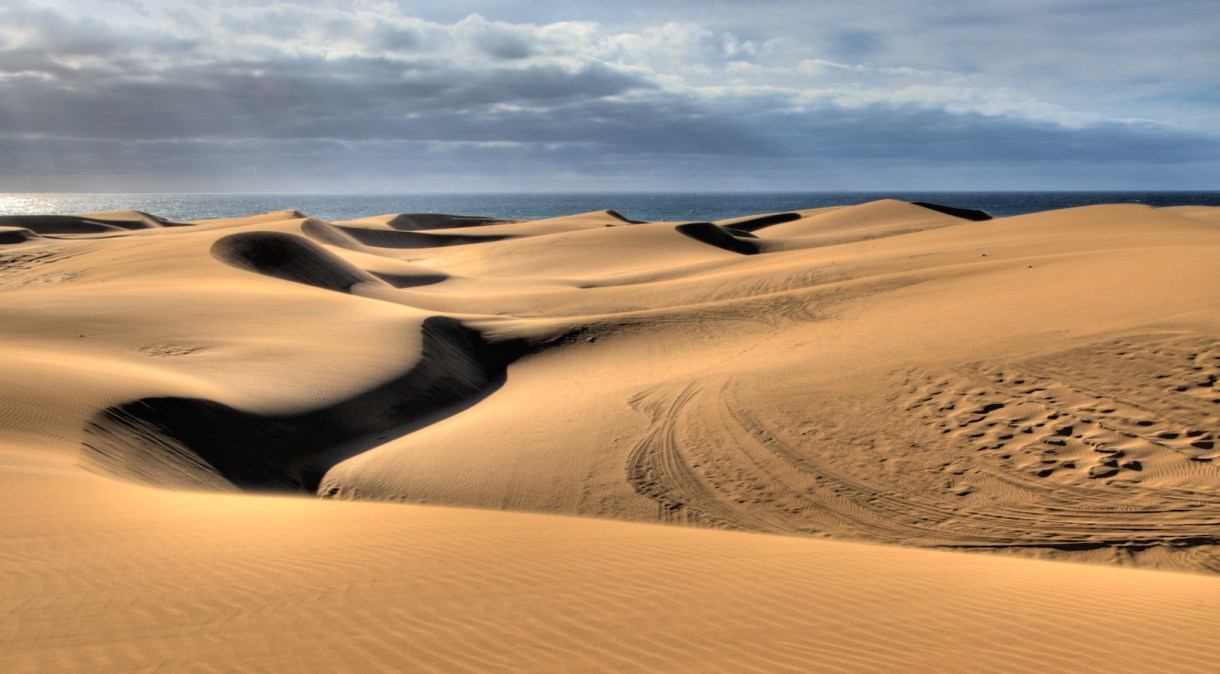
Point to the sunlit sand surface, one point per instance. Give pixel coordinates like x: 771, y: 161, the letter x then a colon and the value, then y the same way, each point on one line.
x: 760, y: 444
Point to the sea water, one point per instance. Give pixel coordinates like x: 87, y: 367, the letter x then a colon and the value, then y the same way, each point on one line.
x: 676, y: 206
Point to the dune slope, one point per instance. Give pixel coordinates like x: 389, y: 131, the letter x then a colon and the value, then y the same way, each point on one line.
x: 112, y: 577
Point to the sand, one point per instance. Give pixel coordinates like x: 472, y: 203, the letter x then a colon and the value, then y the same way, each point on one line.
x: 760, y: 444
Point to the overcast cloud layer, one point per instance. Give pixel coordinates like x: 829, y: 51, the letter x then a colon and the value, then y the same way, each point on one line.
x: 422, y: 96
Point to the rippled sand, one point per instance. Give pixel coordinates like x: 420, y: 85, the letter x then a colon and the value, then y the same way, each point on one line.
x: 889, y: 375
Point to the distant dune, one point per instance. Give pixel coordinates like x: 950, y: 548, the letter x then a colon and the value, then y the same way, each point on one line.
x: 890, y: 375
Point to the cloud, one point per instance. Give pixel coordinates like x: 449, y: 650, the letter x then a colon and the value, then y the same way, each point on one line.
x: 168, y: 93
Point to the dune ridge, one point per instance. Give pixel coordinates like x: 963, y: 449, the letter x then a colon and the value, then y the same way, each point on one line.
x: 182, y: 442
x: 912, y: 375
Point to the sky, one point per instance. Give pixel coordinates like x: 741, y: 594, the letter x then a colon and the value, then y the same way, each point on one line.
x: 582, y: 95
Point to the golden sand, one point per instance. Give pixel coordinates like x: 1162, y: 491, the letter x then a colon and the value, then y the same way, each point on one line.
x: 909, y: 382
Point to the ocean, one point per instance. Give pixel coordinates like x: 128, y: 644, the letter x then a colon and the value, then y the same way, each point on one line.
x: 678, y: 206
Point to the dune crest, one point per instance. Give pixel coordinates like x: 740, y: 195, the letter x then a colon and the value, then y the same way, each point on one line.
x: 182, y: 442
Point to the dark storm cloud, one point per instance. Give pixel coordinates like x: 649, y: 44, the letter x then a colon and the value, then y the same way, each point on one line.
x: 305, y: 98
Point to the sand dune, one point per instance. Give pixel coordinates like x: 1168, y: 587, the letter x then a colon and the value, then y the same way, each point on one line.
x: 109, y: 577
x: 90, y: 223
x: 911, y: 375
x: 416, y: 221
